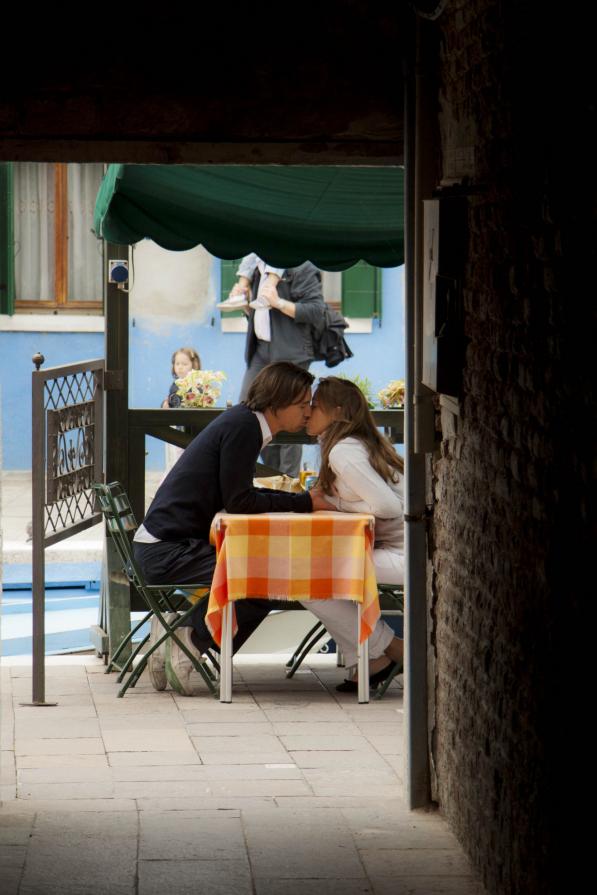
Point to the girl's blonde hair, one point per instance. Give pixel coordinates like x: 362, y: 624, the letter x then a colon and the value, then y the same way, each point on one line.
x: 353, y: 420
x: 192, y: 355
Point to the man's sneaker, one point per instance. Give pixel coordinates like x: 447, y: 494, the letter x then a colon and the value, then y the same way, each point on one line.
x: 233, y: 303
x: 180, y: 671
x: 156, y: 664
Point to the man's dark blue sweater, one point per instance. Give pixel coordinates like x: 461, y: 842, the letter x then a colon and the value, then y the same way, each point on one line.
x: 216, y: 473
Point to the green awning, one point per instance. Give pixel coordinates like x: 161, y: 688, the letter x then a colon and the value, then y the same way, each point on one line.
x: 332, y: 216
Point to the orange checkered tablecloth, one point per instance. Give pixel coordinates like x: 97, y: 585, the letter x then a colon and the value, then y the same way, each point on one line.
x: 294, y: 556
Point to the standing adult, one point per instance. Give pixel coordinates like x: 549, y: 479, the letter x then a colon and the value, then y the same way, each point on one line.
x: 282, y: 307
x: 216, y: 473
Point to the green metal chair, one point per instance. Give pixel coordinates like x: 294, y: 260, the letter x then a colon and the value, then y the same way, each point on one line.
x: 161, y: 600
x: 391, y: 602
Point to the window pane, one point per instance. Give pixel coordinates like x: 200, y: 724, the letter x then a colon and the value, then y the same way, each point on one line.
x: 361, y: 291
x: 331, y: 284
x: 84, y: 249
x: 34, y: 231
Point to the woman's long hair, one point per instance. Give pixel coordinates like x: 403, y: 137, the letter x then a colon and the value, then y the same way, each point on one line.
x: 354, y: 420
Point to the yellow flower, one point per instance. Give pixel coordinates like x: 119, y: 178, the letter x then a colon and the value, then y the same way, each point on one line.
x: 393, y: 394
x: 200, y: 388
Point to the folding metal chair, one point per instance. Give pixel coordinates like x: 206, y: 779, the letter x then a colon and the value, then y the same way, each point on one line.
x: 391, y: 602
x: 160, y: 599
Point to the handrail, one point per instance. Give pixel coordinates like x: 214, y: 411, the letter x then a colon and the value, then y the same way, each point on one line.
x: 196, y: 419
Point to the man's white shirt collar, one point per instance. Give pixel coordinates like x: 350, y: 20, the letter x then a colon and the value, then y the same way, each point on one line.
x: 266, y: 432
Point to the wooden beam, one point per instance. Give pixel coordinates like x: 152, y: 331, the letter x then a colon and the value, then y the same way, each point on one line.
x: 60, y: 234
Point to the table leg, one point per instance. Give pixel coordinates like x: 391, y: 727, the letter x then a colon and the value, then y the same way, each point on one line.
x: 363, y: 663
x: 226, y: 655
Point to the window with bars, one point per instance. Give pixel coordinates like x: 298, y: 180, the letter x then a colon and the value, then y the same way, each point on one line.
x: 49, y: 256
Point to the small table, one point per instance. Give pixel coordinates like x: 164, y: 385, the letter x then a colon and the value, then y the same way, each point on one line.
x: 293, y: 556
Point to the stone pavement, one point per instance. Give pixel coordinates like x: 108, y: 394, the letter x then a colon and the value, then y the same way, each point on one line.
x: 15, y: 505
x: 292, y: 788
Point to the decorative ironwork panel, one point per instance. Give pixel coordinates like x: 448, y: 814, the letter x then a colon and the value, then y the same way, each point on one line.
x: 72, y: 415
x: 70, y: 451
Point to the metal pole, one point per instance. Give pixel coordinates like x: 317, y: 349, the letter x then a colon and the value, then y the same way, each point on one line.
x: 226, y: 655
x: 417, y: 780
x: 118, y: 593
x: 363, y: 661
x: 38, y: 500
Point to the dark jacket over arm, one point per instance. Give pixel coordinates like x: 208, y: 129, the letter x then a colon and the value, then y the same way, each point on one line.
x: 292, y: 337
x: 216, y: 473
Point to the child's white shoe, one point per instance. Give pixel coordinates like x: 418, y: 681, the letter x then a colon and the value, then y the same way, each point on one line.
x: 233, y: 303
x: 259, y: 302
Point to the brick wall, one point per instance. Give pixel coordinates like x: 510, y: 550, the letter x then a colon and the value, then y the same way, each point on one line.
x: 511, y: 536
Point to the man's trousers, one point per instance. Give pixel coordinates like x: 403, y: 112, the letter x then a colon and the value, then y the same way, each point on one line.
x: 193, y: 561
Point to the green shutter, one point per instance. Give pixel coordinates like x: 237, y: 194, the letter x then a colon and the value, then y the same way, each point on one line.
x: 361, y: 291
x: 228, y: 280
x: 7, y: 266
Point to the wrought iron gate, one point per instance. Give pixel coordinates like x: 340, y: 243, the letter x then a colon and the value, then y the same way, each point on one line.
x: 67, y: 456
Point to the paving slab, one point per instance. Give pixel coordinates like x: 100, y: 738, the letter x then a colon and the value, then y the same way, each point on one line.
x: 12, y: 864
x: 67, y: 774
x: 211, y: 803
x: 231, y: 729
x: 58, y: 792
x: 427, y: 885
x: 310, y: 886
x: 52, y: 727
x: 195, y: 878
x: 335, y: 728
x: 191, y: 836
x: 324, y: 850
x: 60, y: 746
x: 140, y: 740
x: 328, y: 758
x: 148, y: 721
x: 239, y: 744
x: 246, y: 758
x: 291, y: 788
x: 227, y: 773
x: 7, y: 767
x: 152, y: 759
x: 15, y: 829
x: 394, y: 862
x: 64, y: 760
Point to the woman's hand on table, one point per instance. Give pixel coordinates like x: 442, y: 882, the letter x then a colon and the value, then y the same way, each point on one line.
x: 320, y: 501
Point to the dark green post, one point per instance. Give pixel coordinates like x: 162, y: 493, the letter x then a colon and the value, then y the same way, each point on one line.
x: 116, y: 590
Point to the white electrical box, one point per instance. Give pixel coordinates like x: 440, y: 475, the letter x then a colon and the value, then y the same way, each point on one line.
x: 118, y: 271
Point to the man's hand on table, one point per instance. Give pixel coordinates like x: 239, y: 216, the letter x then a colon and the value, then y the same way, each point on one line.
x: 320, y: 501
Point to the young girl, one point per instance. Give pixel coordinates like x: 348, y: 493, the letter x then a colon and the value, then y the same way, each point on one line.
x: 183, y: 361
x: 360, y: 473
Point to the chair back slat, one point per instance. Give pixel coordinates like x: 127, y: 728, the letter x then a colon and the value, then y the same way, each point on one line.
x: 391, y: 597
x: 120, y: 520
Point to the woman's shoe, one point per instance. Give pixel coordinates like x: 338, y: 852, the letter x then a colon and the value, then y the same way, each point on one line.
x: 374, y: 680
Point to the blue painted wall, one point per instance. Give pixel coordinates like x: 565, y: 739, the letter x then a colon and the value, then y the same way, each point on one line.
x: 378, y: 355
x: 16, y: 351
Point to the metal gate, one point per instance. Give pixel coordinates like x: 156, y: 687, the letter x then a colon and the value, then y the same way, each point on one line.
x: 67, y: 455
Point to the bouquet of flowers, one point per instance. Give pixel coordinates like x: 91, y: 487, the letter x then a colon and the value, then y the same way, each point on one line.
x: 200, y: 388
x: 393, y: 394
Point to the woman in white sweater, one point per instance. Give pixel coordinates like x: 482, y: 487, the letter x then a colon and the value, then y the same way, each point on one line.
x: 360, y: 473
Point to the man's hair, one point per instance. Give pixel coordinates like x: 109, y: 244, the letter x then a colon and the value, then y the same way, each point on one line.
x: 278, y: 385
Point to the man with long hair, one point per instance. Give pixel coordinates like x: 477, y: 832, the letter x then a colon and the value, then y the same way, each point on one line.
x: 215, y: 473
